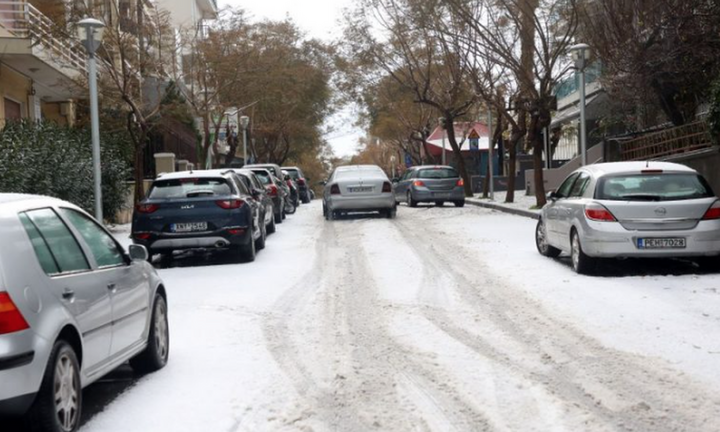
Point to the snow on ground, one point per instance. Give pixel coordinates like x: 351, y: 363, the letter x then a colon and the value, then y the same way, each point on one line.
x: 520, y: 200
x: 442, y: 319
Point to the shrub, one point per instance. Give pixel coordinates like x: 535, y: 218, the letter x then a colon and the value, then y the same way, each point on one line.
x: 47, y: 159
x: 714, y: 114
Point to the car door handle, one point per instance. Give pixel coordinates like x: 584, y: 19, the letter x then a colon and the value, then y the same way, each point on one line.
x: 68, y: 294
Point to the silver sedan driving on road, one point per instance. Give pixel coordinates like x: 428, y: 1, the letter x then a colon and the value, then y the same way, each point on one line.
x: 631, y: 209
x: 358, y: 188
x: 73, y: 307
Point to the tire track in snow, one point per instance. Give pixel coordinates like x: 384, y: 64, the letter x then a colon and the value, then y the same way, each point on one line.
x: 627, y: 391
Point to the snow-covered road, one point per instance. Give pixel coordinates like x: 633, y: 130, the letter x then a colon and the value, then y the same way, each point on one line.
x: 443, y: 319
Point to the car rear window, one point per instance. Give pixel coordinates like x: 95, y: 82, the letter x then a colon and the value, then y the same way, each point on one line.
x: 189, y: 188
x: 653, y: 187
x: 263, y: 176
x: 438, y: 173
x: 293, y: 174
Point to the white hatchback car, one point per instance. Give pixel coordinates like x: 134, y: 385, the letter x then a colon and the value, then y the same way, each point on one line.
x: 73, y: 307
x: 631, y: 209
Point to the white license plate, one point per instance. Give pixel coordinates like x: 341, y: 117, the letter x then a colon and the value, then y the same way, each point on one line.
x: 189, y: 227
x: 360, y: 189
x: 661, y: 243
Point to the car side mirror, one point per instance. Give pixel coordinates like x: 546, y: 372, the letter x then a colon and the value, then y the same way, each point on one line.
x: 256, y: 193
x: 395, y: 180
x: 552, y: 196
x: 138, y: 253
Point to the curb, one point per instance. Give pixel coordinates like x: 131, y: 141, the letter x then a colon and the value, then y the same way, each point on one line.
x: 518, y: 212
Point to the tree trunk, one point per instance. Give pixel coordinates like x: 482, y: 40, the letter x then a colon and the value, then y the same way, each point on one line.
x: 537, y: 144
x: 458, y: 154
x: 518, y: 132
x: 139, y: 173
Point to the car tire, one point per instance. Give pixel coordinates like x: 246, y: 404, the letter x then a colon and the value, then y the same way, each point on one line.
x: 271, y: 227
x: 306, y: 200
x: 63, y: 370
x: 411, y: 202
x: 709, y: 264
x: 155, y: 355
x: 278, y: 218
x: 459, y: 203
x: 541, y: 242
x: 260, y: 242
x: 440, y: 203
x: 391, y: 213
x: 582, y: 264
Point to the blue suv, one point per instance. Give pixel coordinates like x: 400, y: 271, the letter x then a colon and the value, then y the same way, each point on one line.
x: 199, y: 210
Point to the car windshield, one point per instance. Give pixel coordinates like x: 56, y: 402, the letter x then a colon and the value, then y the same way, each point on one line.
x: 293, y: 174
x: 653, y: 187
x: 438, y: 173
x: 263, y: 176
x: 189, y: 188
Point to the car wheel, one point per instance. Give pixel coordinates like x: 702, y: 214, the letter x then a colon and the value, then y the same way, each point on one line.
x: 582, y: 264
x: 541, y: 242
x: 390, y: 214
x: 270, y: 228
x: 306, y: 200
x: 58, y: 404
x: 411, y: 202
x: 709, y: 264
x: 249, y: 252
x: 278, y: 218
x: 260, y: 242
x: 156, y: 353
x: 459, y: 203
x: 440, y: 203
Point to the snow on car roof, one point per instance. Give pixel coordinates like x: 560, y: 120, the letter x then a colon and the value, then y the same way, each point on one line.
x: 629, y: 167
x: 16, y: 197
x: 359, y: 168
x: 194, y: 174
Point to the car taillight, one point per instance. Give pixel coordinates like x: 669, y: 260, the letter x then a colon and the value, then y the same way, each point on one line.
x: 11, y: 320
x: 334, y: 190
x: 713, y: 212
x: 387, y: 187
x: 598, y: 213
x: 272, y: 190
x: 230, y: 204
x: 419, y: 183
x: 460, y: 182
x: 235, y: 231
x: 142, y: 236
x: 301, y: 182
x: 147, y: 208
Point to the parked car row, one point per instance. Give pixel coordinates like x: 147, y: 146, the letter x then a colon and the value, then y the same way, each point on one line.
x: 231, y: 210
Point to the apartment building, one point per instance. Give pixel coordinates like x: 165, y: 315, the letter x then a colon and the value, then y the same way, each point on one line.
x: 40, y: 63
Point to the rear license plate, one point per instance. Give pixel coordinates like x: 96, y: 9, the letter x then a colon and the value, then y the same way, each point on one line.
x: 188, y: 227
x: 360, y: 189
x: 661, y: 243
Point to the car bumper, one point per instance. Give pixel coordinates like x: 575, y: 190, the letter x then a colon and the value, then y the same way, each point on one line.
x: 382, y: 202
x: 425, y: 194
x: 21, y: 370
x: 214, y: 240
x: 611, y: 240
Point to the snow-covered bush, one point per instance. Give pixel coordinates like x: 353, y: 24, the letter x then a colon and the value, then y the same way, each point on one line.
x: 714, y: 115
x: 47, y: 159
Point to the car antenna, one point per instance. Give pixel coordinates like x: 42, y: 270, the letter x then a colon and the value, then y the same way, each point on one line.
x: 647, y: 163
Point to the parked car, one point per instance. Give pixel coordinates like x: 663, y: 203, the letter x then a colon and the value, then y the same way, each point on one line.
x: 256, y: 187
x: 199, y: 210
x: 426, y: 183
x: 273, y: 168
x: 73, y: 307
x: 302, y: 183
x: 293, y: 187
x: 631, y: 209
x: 275, y: 190
x: 358, y: 188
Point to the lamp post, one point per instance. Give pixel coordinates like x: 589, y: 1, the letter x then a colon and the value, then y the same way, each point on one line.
x: 244, y: 122
x: 392, y: 166
x: 580, y: 54
x: 90, y: 32
x: 491, y: 182
x: 441, y: 120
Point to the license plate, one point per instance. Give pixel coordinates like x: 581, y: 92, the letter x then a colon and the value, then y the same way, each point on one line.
x: 188, y: 227
x: 661, y: 243
x: 360, y: 189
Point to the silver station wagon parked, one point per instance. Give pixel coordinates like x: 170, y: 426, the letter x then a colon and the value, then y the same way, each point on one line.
x: 73, y: 307
x: 631, y: 209
x: 358, y: 188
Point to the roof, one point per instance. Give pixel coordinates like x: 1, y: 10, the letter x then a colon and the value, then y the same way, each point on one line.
x: 624, y: 167
x: 462, y: 130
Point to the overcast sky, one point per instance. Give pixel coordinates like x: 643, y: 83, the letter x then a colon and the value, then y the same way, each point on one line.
x: 320, y: 19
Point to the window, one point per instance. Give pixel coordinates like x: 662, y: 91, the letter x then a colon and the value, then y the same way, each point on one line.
x: 580, y: 185
x: 42, y: 251
x: 653, y: 187
x: 564, y: 189
x: 103, y: 247
x: 63, y: 247
x: 438, y: 173
x: 241, y: 184
x: 189, y: 188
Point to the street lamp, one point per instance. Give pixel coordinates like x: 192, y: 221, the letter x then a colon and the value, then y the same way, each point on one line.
x: 392, y: 166
x: 244, y: 122
x: 90, y: 32
x: 580, y: 54
x: 441, y: 120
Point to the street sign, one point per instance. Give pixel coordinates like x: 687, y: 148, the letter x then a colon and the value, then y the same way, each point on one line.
x: 474, y: 144
x: 408, y: 160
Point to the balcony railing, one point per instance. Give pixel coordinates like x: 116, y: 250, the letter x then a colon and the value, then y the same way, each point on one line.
x: 23, y: 20
x: 669, y: 142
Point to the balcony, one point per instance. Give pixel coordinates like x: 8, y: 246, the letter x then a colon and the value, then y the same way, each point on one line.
x: 208, y: 8
x: 33, y: 45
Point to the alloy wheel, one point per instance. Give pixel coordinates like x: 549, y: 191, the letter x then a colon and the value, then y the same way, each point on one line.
x: 161, y: 330
x: 66, y: 392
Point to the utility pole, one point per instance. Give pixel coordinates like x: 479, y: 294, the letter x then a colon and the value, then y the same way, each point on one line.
x: 490, y: 154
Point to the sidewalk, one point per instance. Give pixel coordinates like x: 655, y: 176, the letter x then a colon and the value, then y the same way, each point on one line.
x: 521, y: 207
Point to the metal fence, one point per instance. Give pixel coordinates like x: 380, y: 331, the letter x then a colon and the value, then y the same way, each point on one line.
x: 672, y: 141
